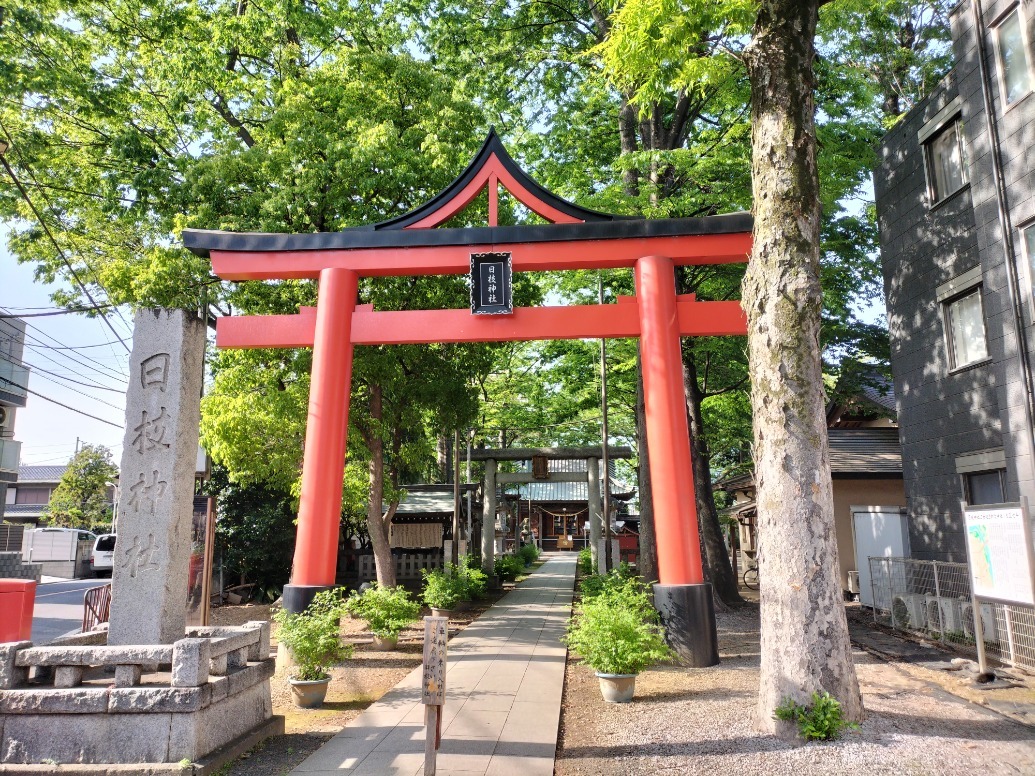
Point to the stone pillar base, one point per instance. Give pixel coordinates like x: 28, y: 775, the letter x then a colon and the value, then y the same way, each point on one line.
x: 688, y: 615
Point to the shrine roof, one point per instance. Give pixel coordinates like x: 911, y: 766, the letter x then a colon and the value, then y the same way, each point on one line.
x: 492, y: 166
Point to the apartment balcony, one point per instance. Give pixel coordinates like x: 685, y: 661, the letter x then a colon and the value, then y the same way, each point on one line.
x: 10, y: 453
x: 13, y: 382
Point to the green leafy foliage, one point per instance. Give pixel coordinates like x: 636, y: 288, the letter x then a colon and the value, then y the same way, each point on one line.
x: 255, y: 533
x: 823, y: 720
x: 616, y: 629
x: 386, y: 610
x: 474, y: 580
x: 313, y: 636
x: 585, y: 561
x: 528, y: 553
x: 81, y: 498
x: 507, y: 567
x: 443, y: 588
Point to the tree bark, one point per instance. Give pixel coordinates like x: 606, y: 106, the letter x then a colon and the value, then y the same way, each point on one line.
x: 716, y: 557
x: 647, y: 560
x: 378, y: 522
x: 804, y: 646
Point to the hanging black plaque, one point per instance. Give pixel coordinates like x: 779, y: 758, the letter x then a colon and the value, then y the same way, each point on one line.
x: 491, y: 291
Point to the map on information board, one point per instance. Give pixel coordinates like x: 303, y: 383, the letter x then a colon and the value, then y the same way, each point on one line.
x: 1000, y: 554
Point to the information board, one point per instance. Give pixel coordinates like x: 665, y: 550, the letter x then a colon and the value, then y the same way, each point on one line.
x: 491, y: 289
x: 1000, y: 552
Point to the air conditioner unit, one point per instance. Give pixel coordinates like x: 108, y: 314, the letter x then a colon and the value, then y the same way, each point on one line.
x: 943, y: 614
x: 989, y: 629
x: 6, y: 418
x: 853, y: 582
x: 909, y: 610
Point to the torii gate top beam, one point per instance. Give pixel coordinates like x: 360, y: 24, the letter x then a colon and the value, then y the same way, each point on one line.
x: 576, y: 238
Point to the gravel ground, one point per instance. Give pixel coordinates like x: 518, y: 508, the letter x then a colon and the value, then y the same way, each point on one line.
x: 690, y: 721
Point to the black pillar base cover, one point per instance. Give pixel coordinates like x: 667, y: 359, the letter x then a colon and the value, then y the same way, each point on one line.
x: 296, y: 598
x: 689, y: 619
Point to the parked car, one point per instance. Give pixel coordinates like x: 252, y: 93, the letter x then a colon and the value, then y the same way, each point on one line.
x: 102, y: 557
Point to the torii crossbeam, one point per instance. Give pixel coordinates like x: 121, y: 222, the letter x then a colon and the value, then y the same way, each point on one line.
x: 415, y: 244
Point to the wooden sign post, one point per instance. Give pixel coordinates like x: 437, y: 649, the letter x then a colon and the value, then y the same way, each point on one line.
x: 433, y: 695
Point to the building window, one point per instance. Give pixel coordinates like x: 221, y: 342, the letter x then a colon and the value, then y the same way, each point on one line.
x: 1014, y: 68
x: 985, y: 487
x: 32, y: 496
x: 946, y: 162
x: 965, y: 326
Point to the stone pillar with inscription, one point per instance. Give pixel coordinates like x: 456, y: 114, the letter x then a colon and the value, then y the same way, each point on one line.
x: 156, y: 481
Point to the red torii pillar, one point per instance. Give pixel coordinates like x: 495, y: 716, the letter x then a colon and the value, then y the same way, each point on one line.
x: 681, y: 596
x: 323, y: 464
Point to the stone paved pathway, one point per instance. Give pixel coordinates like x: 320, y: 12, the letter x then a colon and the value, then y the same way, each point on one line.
x: 503, y: 695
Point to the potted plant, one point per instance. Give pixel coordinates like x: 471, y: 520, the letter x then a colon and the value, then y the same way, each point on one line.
x: 386, y: 611
x: 507, y: 567
x: 312, y: 638
x: 617, y: 634
x: 528, y: 553
x: 444, y: 589
x: 473, y: 580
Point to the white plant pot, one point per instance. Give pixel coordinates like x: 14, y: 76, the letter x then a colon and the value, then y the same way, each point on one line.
x: 617, y: 688
x: 385, y: 644
x: 309, y: 695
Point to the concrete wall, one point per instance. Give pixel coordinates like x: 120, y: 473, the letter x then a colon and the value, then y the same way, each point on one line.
x: 944, y: 413
x: 849, y: 493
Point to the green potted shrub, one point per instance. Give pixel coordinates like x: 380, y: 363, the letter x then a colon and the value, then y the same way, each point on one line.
x: 386, y: 611
x: 617, y: 633
x: 444, y: 590
x: 473, y: 580
x: 507, y: 567
x: 529, y: 554
x: 312, y: 638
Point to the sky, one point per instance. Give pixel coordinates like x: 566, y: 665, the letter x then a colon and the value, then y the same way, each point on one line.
x: 72, y: 359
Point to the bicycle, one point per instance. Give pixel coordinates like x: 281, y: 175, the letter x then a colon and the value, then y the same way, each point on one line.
x: 751, y: 577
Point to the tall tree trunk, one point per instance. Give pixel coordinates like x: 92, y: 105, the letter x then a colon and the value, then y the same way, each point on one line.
x: 805, y: 646
x: 378, y: 522
x: 647, y: 561
x: 715, y: 554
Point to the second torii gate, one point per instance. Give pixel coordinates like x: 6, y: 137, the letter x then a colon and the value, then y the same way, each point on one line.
x: 575, y: 238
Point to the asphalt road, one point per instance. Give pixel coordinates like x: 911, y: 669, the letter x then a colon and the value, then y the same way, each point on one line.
x: 59, y: 608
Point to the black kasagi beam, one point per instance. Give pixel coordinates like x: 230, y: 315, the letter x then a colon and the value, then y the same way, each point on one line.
x: 492, y: 291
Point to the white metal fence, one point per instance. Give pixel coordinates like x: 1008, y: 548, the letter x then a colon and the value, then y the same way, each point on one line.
x: 933, y: 599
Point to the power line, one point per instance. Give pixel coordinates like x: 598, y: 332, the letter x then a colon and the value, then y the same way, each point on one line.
x: 40, y: 344
x: 60, y: 404
x: 40, y: 370
x: 82, y: 393
x: 76, y: 347
x: 57, y: 247
x: 100, y: 369
x: 73, y: 390
x: 60, y: 312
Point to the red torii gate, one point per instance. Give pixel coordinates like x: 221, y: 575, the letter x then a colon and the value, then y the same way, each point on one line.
x: 575, y: 238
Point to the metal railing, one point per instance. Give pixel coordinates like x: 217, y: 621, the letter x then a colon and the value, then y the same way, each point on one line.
x: 96, y: 606
x: 933, y: 599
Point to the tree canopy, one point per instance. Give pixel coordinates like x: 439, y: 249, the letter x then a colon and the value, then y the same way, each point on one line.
x: 129, y: 120
x: 81, y: 499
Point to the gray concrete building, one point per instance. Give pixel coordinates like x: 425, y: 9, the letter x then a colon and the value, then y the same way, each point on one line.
x: 955, y: 194
x: 14, y: 379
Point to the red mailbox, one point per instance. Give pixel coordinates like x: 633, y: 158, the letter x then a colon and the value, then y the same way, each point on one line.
x: 17, y: 598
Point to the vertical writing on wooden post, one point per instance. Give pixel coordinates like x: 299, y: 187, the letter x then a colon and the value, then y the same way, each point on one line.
x: 433, y: 688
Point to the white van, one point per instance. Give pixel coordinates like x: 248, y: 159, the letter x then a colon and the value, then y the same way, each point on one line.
x: 102, y: 557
